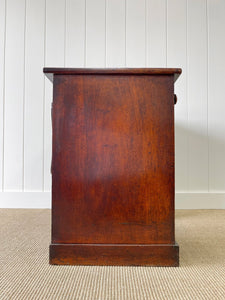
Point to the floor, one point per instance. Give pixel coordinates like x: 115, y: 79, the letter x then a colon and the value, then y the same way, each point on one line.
x: 25, y: 272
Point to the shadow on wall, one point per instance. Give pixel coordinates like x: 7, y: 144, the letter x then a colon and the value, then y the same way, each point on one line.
x: 200, y: 159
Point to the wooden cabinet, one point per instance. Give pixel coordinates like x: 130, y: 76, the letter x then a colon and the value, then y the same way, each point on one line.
x: 113, y: 167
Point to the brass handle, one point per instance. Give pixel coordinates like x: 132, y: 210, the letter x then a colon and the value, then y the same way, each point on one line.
x: 175, y: 98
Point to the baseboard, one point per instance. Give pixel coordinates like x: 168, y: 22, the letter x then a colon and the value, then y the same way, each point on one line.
x: 25, y: 199
x: 210, y: 200
x: 200, y: 201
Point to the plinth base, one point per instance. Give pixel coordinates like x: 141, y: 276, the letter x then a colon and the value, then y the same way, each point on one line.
x: 115, y: 254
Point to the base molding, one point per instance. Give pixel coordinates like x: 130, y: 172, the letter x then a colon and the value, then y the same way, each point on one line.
x: 115, y: 254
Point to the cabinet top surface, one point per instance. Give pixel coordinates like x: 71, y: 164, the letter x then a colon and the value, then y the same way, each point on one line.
x: 115, y: 71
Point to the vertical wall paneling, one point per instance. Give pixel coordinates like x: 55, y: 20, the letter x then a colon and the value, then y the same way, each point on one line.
x: 177, y: 57
x: 33, y: 103
x: 112, y: 33
x: 197, y: 95
x: 135, y: 33
x: 75, y: 33
x: 54, y: 57
x: 156, y: 33
x: 2, y: 79
x: 14, y: 95
x: 216, y: 106
x: 95, y: 33
x: 115, y: 33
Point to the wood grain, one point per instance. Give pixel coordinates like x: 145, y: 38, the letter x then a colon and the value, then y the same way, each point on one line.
x: 125, y: 255
x: 112, y: 71
x: 113, y: 159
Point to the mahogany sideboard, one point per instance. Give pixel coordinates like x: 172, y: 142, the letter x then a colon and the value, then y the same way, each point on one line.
x: 113, y: 167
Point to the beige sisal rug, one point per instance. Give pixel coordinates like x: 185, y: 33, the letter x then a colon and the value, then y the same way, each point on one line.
x: 25, y: 273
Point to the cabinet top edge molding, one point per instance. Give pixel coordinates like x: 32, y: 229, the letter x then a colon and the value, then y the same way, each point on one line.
x: 112, y: 71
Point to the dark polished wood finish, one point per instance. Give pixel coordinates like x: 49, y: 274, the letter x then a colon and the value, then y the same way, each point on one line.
x: 113, y: 167
x: 118, y: 71
x: 115, y: 255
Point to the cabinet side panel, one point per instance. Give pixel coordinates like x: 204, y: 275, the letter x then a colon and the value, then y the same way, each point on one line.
x: 113, y: 159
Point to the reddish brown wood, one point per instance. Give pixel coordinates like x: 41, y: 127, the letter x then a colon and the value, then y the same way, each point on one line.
x: 114, y: 255
x: 113, y: 167
x: 117, y: 71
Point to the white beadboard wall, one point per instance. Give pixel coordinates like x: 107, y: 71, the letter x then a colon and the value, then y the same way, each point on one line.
x: 112, y: 33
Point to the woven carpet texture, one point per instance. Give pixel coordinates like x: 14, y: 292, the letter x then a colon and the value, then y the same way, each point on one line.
x: 26, y: 274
